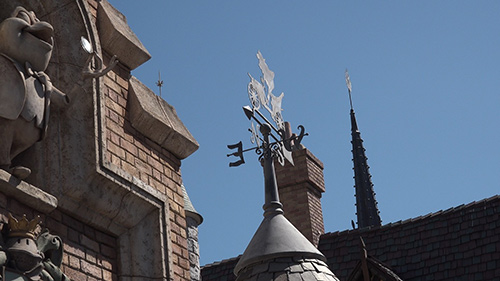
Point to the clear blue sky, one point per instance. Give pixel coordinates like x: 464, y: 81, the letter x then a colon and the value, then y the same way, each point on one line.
x: 426, y: 90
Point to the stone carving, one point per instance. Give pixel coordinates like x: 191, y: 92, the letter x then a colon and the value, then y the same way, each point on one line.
x: 52, y: 248
x: 29, y: 255
x: 26, y: 91
x: 97, y: 70
x: 21, y: 247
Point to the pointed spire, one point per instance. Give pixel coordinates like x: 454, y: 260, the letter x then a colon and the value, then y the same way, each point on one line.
x: 366, y: 205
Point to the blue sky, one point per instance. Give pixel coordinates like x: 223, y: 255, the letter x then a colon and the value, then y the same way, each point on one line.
x: 426, y: 83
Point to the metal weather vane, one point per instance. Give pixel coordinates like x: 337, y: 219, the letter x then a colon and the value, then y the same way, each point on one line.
x: 261, y: 96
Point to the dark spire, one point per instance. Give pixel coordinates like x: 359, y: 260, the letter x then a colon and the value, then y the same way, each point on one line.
x: 366, y: 205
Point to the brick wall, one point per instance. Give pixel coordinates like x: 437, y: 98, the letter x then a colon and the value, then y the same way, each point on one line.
x: 144, y: 159
x: 300, y: 187
x: 140, y: 157
x: 89, y: 254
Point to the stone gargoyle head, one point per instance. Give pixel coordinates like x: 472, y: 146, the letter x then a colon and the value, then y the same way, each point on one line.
x: 24, y: 38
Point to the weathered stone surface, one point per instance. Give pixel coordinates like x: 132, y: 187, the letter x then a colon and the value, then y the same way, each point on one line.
x: 136, y: 247
x: 71, y: 162
x: 193, y: 220
x: 118, y: 39
x: 158, y: 120
x: 26, y: 89
x: 27, y: 193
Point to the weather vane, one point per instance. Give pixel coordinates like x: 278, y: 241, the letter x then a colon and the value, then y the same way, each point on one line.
x: 261, y: 96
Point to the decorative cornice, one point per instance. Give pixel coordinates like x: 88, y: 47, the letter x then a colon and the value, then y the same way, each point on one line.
x: 27, y: 193
x: 118, y: 39
x: 158, y: 120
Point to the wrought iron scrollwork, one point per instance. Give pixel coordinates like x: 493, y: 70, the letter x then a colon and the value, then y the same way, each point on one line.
x: 238, y: 153
x: 277, y: 152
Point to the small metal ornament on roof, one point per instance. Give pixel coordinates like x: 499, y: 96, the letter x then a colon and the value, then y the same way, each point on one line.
x: 261, y: 95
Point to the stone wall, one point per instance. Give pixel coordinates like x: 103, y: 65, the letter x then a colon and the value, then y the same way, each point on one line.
x: 194, y: 250
x: 142, y: 158
x: 89, y: 254
x: 102, y: 179
x: 134, y: 153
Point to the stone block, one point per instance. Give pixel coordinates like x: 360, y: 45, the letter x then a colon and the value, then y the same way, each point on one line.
x: 158, y: 120
x: 118, y: 39
x: 26, y: 193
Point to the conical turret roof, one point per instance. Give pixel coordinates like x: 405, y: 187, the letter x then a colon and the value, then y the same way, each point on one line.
x: 189, y: 208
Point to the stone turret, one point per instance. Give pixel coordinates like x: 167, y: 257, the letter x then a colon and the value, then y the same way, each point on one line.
x: 193, y: 220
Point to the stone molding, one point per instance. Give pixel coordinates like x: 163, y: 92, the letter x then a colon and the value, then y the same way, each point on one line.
x: 27, y: 193
x: 158, y: 120
x: 118, y: 39
x: 70, y: 163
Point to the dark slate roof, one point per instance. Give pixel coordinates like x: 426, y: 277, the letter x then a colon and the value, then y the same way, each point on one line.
x: 218, y: 271
x: 285, y: 269
x: 461, y: 243
x: 189, y: 208
x: 375, y: 268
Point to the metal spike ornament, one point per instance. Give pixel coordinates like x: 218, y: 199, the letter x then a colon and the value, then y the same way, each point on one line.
x: 261, y: 96
x: 349, y: 85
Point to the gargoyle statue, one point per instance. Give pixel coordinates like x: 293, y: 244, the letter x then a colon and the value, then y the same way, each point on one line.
x: 25, y: 90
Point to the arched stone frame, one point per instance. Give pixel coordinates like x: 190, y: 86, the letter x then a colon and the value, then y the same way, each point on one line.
x: 70, y: 163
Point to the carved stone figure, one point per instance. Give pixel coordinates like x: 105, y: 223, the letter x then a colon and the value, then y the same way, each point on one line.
x: 25, y: 90
x: 52, y: 248
x: 30, y: 255
x: 21, y: 246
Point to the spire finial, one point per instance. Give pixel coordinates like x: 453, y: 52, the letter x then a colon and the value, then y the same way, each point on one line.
x: 349, y: 86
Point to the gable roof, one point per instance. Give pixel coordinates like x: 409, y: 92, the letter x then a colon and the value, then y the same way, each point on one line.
x: 369, y: 268
x: 375, y: 268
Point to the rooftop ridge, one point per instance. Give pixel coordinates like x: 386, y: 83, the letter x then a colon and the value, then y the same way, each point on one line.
x: 411, y: 220
x: 216, y: 263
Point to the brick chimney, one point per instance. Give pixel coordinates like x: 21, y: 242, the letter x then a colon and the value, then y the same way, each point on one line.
x: 300, y: 188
